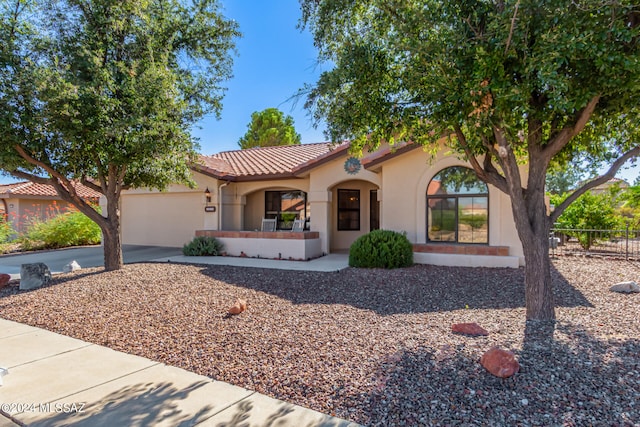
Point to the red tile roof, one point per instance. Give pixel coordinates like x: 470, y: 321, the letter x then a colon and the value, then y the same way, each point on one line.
x: 267, y: 162
x: 287, y: 161
x: 29, y: 188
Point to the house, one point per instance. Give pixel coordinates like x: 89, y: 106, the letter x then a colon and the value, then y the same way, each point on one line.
x: 450, y: 216
x: 607, y: 186
x: 23, y: 202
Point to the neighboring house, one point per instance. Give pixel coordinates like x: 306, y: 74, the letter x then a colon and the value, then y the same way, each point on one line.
x: 603, y: 188
x: 23, y: 202
x: 450, y: 216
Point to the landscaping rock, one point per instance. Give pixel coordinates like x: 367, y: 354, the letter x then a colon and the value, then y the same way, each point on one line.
x: 472, y: 329
x: 72, y: 266
x: 500, y: 363
x: 626, y: 288
x: 34, y: 275
x: 239, y: 306
x: 4, y: 280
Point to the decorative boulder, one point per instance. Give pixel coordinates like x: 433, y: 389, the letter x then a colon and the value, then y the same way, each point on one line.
x: 33, y: 276
x: 4, y: 280
x: 239, y: 306
x: 72, y: 266
x: 626, y: 288
x: 500, y: 363
x: 472, y: 329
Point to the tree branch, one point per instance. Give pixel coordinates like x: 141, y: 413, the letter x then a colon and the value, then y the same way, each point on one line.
x: 487, y: 174
x: 513, y: 24
x: 30, y: 177
x: 559, y: 141
x: 61, y: 183
x: 635, y: 152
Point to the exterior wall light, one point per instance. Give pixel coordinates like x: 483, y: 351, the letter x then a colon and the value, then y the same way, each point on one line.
x: 207, y: 195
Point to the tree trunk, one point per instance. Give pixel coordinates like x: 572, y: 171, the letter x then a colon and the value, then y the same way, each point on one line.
x: 533, y: 225
x: 112, y: 246
x: 538, y: 285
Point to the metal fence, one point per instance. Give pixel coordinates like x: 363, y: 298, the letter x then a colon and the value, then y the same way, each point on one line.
x: 623, y: 244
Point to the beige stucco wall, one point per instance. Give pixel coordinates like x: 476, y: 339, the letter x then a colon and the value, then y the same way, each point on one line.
x: 171, y: 218
x: 404, y: 188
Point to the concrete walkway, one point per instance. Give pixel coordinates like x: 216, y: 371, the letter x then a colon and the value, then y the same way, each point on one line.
x: 56, y: 380
x: 331, y: 262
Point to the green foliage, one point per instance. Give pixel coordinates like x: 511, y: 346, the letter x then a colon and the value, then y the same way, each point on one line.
x: 381, y: 249
x: 630, y: 208
x: 502, y: 83
x: 269, y: 128
x: 6, y: 231
x: 203, y: 246
x: 589, y: 212
x: 108, y: 90
x: 64, y: 230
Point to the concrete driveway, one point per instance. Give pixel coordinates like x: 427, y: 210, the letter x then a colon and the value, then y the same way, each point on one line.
x: 89, y: 256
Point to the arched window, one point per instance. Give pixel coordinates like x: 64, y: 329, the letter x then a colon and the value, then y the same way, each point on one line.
x: 457, y: 207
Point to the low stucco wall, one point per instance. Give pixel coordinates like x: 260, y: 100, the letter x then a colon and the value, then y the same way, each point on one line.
x: 272, y: 245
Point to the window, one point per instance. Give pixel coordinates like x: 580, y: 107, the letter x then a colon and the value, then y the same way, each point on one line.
x: 285, y: 207
x: 457, y: 207
x: 349, y: 210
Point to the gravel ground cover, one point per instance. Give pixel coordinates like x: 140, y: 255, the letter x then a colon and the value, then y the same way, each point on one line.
x: 371, y: 346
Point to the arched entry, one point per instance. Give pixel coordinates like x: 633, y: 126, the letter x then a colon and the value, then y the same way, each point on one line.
x: 355, y: 211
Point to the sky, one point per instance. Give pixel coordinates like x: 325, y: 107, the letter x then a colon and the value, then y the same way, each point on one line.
x: 274, y: 60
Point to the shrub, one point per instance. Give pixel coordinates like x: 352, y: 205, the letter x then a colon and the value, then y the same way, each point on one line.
x: 588, y: 212
x: 71, y: 228
x: 6, y: 231
x: 381, y: 249
x: 203, y: 246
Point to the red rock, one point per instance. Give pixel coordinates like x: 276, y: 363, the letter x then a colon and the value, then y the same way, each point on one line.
x: 4, y: 280
x: 500, y: 363
x: 239, y: 306
x: 472, y: 329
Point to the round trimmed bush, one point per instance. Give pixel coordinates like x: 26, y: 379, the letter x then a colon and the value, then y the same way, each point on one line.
x: 381, y: 249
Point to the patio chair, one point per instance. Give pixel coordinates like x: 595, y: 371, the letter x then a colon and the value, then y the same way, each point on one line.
x: 268, y: 224
x: 298, y: 225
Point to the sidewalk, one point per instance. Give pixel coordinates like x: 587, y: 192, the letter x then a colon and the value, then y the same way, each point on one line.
x: 327, y: 263
x: 56, y: 380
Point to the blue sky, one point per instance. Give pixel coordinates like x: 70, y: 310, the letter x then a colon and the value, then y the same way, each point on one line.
x: 275, y: 59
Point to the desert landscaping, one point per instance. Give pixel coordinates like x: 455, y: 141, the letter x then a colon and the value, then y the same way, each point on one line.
x: 368, y: 345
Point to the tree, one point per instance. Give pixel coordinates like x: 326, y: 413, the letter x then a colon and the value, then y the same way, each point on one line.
x: 269, y: 128
x: 508, y: 83
x: 104, y: 92
x: 588, y: 212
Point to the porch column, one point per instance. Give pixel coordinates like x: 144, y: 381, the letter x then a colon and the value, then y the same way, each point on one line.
x: 320, y: 205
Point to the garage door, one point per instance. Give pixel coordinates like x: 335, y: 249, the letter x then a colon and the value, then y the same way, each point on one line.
x: 161, y: 219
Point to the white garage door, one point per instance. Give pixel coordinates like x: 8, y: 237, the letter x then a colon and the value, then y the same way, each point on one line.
x: 161, y: 219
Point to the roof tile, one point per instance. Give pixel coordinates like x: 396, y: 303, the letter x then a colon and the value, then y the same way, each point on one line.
x: 29, y: 188
x: 264, y: 161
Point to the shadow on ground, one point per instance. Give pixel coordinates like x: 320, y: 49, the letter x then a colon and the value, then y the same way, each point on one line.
x: 568, y: 377
x: 418, y: 289
x: 137, y: 405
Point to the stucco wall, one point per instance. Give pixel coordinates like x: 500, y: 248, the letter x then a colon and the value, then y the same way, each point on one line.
x: 404, y: 187
x: 171, y: 218
x: 20, y: 212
